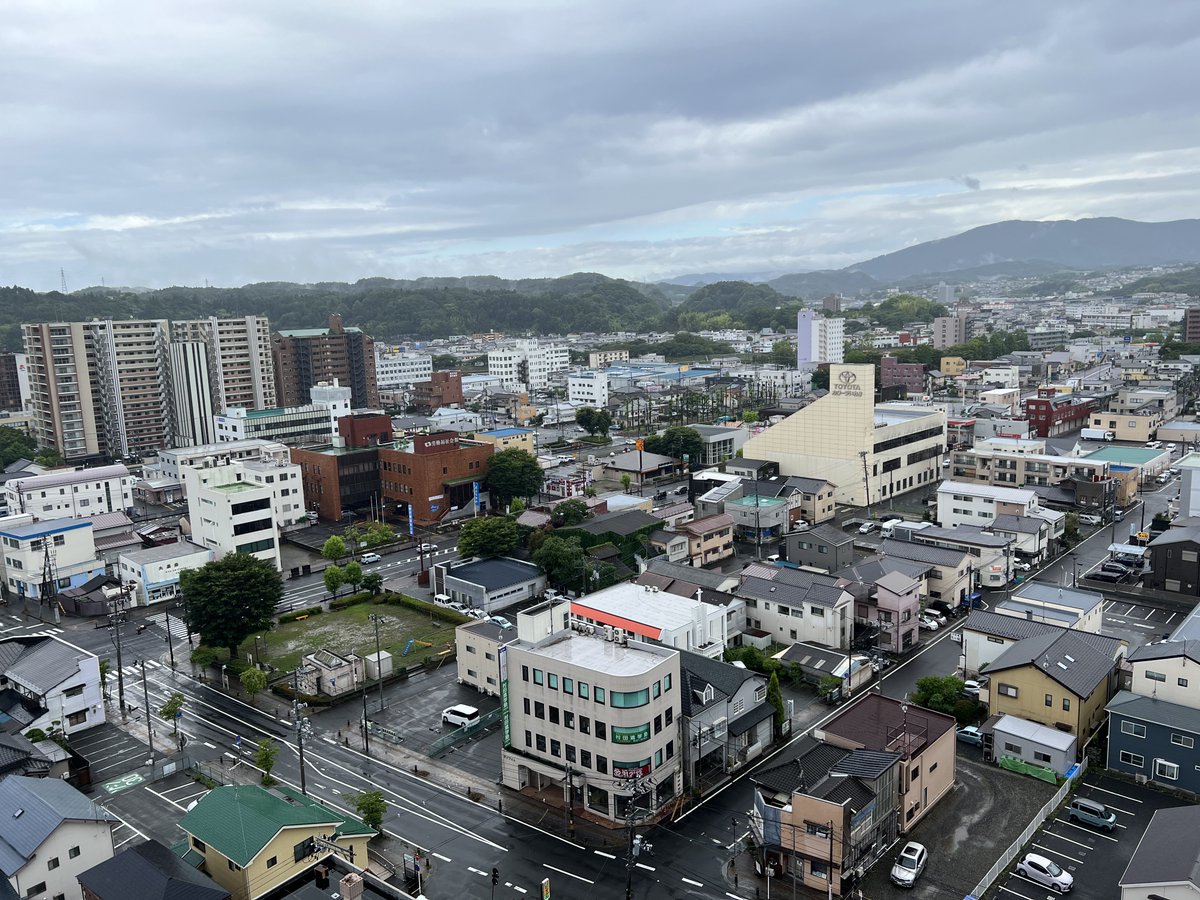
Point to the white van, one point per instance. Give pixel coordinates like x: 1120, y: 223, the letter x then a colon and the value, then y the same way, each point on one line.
x: 889, y: 527
x: 460, y: 715
x: 442, y: 599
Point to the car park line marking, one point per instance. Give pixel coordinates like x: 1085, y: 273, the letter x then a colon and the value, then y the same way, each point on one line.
x: 476, y: 871
x: 1016, y: 874
x: 127, y: 825
x: 1140, y: 625
x: 209, y: 746
x: 1115, y: 794
x: 443, y: 858
x: 1123, y: 812
x: 1016, y: 893
x: 1172, y: 616
x: 178, y: 806
x: 568, y: 874
x: 1062, y: 837
x: 605, y: 855
x: 520, y: 890
x: 693, y: 883
x: 1073, y: 859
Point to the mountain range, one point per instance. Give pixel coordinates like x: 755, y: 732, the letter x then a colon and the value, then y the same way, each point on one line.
x: 1013, y: 248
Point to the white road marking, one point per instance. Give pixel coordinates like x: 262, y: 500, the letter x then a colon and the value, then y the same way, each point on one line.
x: 646, y: 867
x: 693, y: 883
x: 1063, y: 837
x: 568, y: 874
x: 1169, y: 618
x: 443, y: 858
x: 1009, y: 890
x: 520, y: 890
x: 605, y: 855
x: 1115, y: 794
x: 178, y: 806
x: 208, y: 745
x: 1073, y: 859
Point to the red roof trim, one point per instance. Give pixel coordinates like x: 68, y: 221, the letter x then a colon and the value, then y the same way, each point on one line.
x: 596, y: 615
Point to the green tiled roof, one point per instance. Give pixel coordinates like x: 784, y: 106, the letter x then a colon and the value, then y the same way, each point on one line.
x: 239, y: 820
x: 185, y: 852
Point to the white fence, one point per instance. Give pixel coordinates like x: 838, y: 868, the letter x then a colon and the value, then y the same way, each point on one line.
x: 1014, y: 848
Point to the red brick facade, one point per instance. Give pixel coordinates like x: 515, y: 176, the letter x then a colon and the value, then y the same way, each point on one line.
x: 436, y: 476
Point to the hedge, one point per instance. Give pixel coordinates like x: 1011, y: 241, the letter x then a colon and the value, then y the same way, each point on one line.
x: 423, y: 606
x: 349, y: 600
x: 299, y: 614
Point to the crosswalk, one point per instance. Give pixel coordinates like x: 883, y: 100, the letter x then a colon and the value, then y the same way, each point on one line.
x: 179, y: 631
x: 26, y: 628
x: 136, y: 669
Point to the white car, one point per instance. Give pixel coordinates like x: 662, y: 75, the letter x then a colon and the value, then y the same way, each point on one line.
x: 1046, y: 872
x: 1089, y: 519
x: 426, y: 548
x: 476, y: 613
x: 1171, y: 447
x: 501, y: 621
x: 927, y: 623
x: 370, y: 558
x: 935, y: 616
x: 868, y: 527
x: 909, y: 864
x: 1022, y: 566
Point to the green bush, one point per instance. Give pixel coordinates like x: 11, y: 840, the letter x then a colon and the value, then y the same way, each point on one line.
x: 207, y: 656
x: 439, y: 612
x: 349, y: 600
x: 299, y: 614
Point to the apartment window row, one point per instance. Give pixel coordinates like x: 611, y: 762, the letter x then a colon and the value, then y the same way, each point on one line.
x: 618, y: 734
x: 581, y: 689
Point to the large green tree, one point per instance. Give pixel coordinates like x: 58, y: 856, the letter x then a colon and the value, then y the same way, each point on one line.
x: 334, y: 548
x: 488, y: 536
x: 371, y: 808
x: 677, y: 441
x: 514, y: 473
x: 568, y: 513
x: 938, y: 692
x: 561, y: 559
x: 230, y: 599
x: 15, y: 444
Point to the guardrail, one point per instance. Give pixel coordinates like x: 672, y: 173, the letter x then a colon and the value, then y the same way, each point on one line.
x: 465, y: 733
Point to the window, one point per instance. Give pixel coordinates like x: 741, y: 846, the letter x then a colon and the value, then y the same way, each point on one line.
x: 601, y: 764
x: 1049, y: 699
x: 272, y: 862
x: 568, y: 685
x: 73, y: 691
x: 1007, y: 690
x: 1039, y: 756
x: 570, y: 753
x: 52, y: 863
x: 1012, y: 748
x: 821, y: 831
x: 1182, y: 682
x: 585, y: 758
x: 1183, y: 740
x: 666, y: 682
x: 537, y: 676
x: 524, y: 673
x: 539, y: 710
x: 568, y: 719
x: 658, y: 758
x: 585, y: 725
x: 73, y: 853
x: 525, y: 704
x: 1133, y: 728
x: 1155, y: 676
x: 599, y: 695
x: 657, y: 724
x: 199, y: 844
x: 601, y: 730
x: 38, y: 888
x: 656, y: 689
x: 669, y: 715
x: 670, y: 749
x: 1165, y: 769
x: 628, y: 699
x: 540, y: 743
x: 554, y: 715
x: 233, y: 867
x: 555, y: 748
x: 1066, y: 704
x: 552, y: 681
x: 528, y: 738
x: 583, y: 690
x: 77, y: 718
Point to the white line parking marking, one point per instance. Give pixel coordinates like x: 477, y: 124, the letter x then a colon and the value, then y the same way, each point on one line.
x: 1009, y: 890
x: 646, y: 867
x: 1062, y: 837
x: 1115, y: 794
x: 1073, y: 859
x: 693, y: 883
x: 605, y: 855
x: 1085, y: 830
x: 443, y: 858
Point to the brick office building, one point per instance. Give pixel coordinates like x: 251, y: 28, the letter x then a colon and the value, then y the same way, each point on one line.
x: 434, y: 473
x: 911, y: 376
x: 1053, y: 414
x: 307, y: 356
x: 442, y: 389
x: 344, y: 476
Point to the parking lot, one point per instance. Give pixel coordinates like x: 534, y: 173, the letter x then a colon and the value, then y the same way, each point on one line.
x: 154, y: 809
x: 1138, y: 623
x: 1094, y: 859
x: 112, y: 754
x: 967, y: 830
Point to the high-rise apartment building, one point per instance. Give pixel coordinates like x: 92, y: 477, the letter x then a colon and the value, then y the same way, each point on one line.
x: 307, y: 356
x: 528, y: 365
x: 819, y: 339
x: 13, y: 384
x: 239, y: 356
x: 950, y: 331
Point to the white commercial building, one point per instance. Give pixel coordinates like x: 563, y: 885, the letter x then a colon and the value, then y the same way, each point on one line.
x: 75, y: 494
x: 595, y: 713
x: 72, y: 552
x: 315, y: 423
x: 155, y: 571
x: 975, y: 503
x: 819, y: 339
x: 171, y: 463
x: 588, y: 388
x: 848, y: 440
x: 241, y: 506
x: 648, y: 614
x: 396, y: 369
x: 528, y: 365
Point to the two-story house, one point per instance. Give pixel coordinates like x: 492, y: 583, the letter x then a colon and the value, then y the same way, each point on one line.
x: 987, y: 634
x: 710, y: 539
x: 148, y: 871
x: 58, y: 680
x: 797, y: 605
x: 726, y: 721
x: 69, y: 544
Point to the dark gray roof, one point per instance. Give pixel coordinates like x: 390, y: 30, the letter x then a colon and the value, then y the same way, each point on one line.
x: 705, y: 578
x: 827, y: 534
x: 1189, y: 535
x: 1064, y: 657
x: 44, y: 665
x: 1020, y: 524
x: 149, y: 871
x: 877, y: 722
x: 867, y: 763
x: 1167, y: 650
x: 1158, y: 712
x: 790, y: 586
x: 698, y: 671
x: 871, y: 570
x: 925, y: 553
x: 806, y: 484
x: 493, y: 574
x: 813, y: 656
x: 965, y: 534
x: 1018, y: 628
x: 44, y: 804
x: 811, y: 764
x: 845, y: 790
x: 1169, y: 851
x: 623, y: 522
x: 750, y: 718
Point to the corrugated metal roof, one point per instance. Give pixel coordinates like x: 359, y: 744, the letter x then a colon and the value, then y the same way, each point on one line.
x: 31, y: 809
x: 46, y: 664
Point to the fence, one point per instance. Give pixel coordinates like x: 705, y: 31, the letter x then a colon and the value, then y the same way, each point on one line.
x: 461, y: 735
x: 1015, y: 847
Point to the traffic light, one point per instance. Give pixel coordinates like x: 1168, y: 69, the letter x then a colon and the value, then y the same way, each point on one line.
x: 640, y: 444
x: 495, y: 875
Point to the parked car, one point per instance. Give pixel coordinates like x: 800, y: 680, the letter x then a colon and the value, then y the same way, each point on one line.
x: 1089, y: 519
x: 1154, y: 445
x: 681, y: 490
x: 426, y: 548
x: 944, y: 608
x: 1089, y: 812
x: 910, y: 864
x: 459, y: 607
x: 476, y: 613
x: 370, y: 558
x: 971, y: 688
x: 1116, y: 568
x: 1022, y: 566
x: 1171, y: 448
x: 970, y: 735
x: 501, y: 621
x: 660, y: 495
x: 1110, y: 577
x: 1039, y: 869
x: 935, y: 615
x: 868, y: 527
x: 927, y: 623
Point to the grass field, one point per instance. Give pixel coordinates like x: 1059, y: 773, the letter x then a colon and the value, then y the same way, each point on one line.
x: 350, y: 630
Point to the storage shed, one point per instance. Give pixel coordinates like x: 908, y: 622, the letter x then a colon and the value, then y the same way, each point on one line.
x: 1033, y: 743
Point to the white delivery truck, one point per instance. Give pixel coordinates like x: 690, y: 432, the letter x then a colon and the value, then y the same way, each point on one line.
x: 895, y: 527
x: 1096, y: 434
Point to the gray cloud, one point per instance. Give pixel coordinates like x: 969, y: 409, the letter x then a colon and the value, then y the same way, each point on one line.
x: 149, y: 144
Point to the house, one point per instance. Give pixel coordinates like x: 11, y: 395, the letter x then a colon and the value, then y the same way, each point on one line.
x: 828, y: 813
x: 726, y: 721
x: 254, y: 839
x: 987, y: 634
x: 821, y: 547
x: 989, y: 563
x: 148, y: 871
x: 818, y: 498
x: 72, y: 554
x: 896, y: 612
x: 1066, y: 606
x: 973, y: 503
x: 644, y: 612
x: 56, y: 681
x: 49, y: 834
x: 1032, y: 743
x: 21, y: 756
x: 641, y: 466
x: 710, y: 539
x: 1030, y: 535
x: 1055, y: 679
x: 1166, y: 862
x: 796, y: 605
x: 1174, y: 558
x: 816, y: 663
x: 1154, y: 740
x: 477, y: 645
x: 671, y: 544
x: 493, y: 584
x: 951, y: 573
x: 329, y: 674
x: 709, y: 579
x: 924, y: 739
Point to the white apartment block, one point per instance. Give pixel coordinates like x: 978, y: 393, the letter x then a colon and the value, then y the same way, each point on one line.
x: 819, y: 339
x: 193, y: 389
x: 598, y: 706
x: 171, y: 463
x: 396, y: 369
x: 313, y: 423
x: 133, y: 369
x: 59, y: 678
x: 71, y: 547
x: 76, y: 494
x: 241, y: 506
x: 528, y: 365
x: 154, y: 572
x: 975, y: 503
x: 240, y: 360
x: 588, y: 388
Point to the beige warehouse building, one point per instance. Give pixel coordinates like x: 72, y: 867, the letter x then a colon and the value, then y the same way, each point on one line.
x: 901, y: 443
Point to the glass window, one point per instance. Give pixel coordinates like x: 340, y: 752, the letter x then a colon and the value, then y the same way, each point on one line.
x: 658, y: 758
x: 585, y: 758
x: 537, y: 676
x: 599, y: 695
x: 568, y: 719
x: 601, y: 764
x: 1165, y: 769
x: 656, y: 689
x: 583, y: 689
x: 528, y: 738
x: 585, y: 725
x: 1134, y: 728
x: 1066, y: 704
x: 555, y: 748
x: 541, y: 743
x: 601, y: 730
x: 568, y: 685
x: 552, y: 681
x: 554, y: 715
x: 670, y: 715
x: 670, y: 749
x: 666, y: 682
x: 1133, y: 759
x: 635, y: 734
x: 657, y: 724
x: 629, y: 699
x: 570, y: 753
x: 539, y: 709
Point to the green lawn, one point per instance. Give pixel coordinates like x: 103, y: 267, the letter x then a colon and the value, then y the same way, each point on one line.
x: 351, y: 631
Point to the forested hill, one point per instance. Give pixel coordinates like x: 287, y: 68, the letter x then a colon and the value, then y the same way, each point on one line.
x: 384, y: 308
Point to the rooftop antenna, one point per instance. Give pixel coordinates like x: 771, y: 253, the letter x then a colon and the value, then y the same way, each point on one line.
x: 62, y: 280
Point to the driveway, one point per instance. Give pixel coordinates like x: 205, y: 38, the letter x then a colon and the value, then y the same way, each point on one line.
x: 967, y: 830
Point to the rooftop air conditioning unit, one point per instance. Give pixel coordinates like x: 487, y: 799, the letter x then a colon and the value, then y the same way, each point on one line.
x: 608, y: 632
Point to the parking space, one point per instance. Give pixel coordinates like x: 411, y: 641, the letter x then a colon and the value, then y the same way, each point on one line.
x: 154, y: 809
x: 1095, y: 860
x: 111, y: 753
x: 967, y: 830
x: 1138, y: 623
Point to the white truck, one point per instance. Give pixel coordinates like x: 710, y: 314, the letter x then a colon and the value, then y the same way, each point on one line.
x: 893, y: 526
x: 1097, y: 434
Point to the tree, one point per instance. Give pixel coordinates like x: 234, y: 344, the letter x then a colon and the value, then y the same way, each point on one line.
x: 677, y: 441
x: 938, y: 692
x: 334, y: 548
x: 254, y: 682
x: 828, y: 687
x: 264, y: 757
x: 171, y: 708
x: 585, y: 418
x: 379, y: 533
x: 783, y: 354
x: 561, y: 559
x: 15, y: 444
x: 373, y: 583
x: 749, y: 417
x: 775, y: 698
x: 626, y: 481
x: 230, y: 599
x: 568, y: 513
x: 443, y: 361
x: 514, y: 473
x: 371, y: 808
x: 352, y: 573
x: 49, y: 458
x: 820, y: 379
x: 335, y: 577
x: 516, y: 507
x: 488, y: 536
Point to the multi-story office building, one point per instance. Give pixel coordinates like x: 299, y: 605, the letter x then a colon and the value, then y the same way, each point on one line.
x: 240, y: 506
x: 68, y: 544
x: 950, y: 331
x: 589, y: 388
x: 77, y: 494
x: 14, y: 385
x: 819, y: 339
x: 910, y: 375
x: 434, y: 474
x: 315, y: 423
x: 306, y: 356
x: 528, y: 365
x: 397, y: 369
x: 595, y: 715
x: 439, y: 390
x: 345, y: 475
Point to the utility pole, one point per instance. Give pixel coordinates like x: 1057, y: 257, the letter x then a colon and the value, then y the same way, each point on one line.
x: 302, y: 728
x: 376, y: 619
x: 146, y: 697
x: 634, y: 843
x: 117, y: 617
x: 170, y: 643
x: 365, y: 729
x: 570, y: 801
x: 862, y: 454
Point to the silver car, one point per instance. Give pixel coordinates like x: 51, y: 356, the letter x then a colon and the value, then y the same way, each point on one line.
x: 1046, y: 872
x: 910, y: 864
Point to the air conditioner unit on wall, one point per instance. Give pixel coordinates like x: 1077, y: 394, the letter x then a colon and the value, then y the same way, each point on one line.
x: 1140, y: 779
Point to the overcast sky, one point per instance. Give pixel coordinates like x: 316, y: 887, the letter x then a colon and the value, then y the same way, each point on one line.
x: 173, y: 143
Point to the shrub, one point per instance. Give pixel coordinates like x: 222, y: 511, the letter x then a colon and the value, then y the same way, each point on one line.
x: 206, y: 656
x: 966, y: 711
x: 440, y: 612
x: 349, y: 600
x: 299, y: 614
